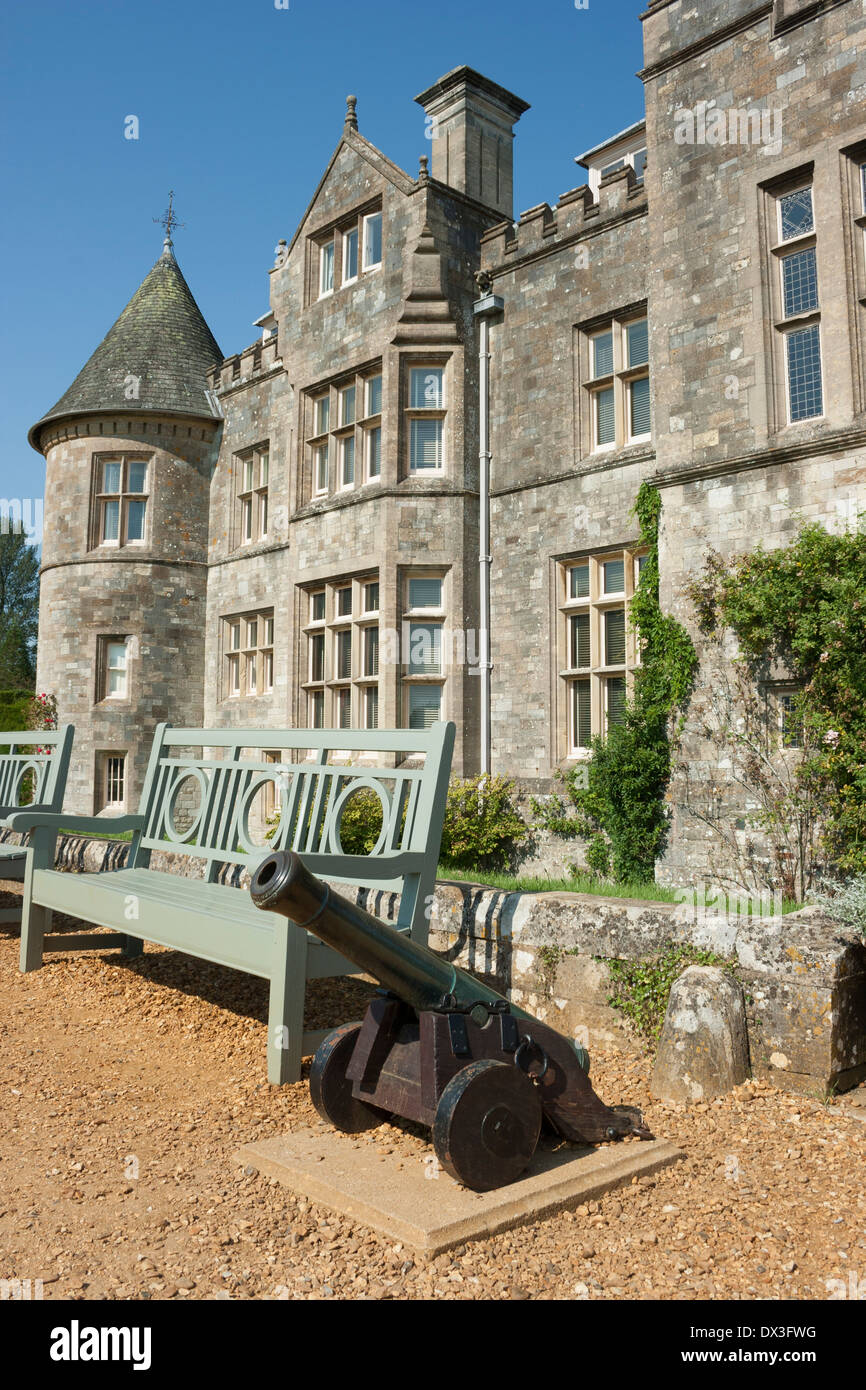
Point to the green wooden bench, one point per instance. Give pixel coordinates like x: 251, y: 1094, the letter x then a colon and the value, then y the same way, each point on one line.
x: 46, y: 773
x: 200, y: 800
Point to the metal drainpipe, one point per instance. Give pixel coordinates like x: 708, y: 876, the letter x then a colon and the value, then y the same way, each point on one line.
x: 484, y: 309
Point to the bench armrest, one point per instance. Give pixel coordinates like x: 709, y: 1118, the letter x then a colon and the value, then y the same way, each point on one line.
x: 82, y: 825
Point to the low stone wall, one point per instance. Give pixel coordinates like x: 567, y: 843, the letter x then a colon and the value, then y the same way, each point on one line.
x: 804, y: 975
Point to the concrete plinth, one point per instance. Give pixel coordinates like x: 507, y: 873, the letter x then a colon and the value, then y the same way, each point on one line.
x: 432, y: 1213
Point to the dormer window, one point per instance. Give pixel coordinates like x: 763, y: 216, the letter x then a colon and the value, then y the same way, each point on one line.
x: 626, y: 150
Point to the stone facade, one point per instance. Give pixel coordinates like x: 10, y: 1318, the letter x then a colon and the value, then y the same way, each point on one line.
x: 731, y: 467
x: 661, y: 290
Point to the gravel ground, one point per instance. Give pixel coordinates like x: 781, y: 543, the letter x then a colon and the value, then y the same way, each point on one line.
x: 125, y: 1089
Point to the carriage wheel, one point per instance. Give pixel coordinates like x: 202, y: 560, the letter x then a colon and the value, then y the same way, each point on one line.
x: 487, y: 1124
x: 331, y: 1089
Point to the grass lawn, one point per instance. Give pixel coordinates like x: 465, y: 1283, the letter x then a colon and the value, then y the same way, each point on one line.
x: 581, y: 883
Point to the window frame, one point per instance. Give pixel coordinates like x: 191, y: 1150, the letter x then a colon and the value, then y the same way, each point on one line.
x: 327, y: 244
x: 353, y: 231
x: 366, y: 218
x: 104, y: 670
x: 430, y: 616
x: 596, y: 605
x: 248, y: 654
x: 104, y: 778
x: 785, y: 327
x: 620, y: 380
x: 121, y: 498
x: 253, y: 469
x: 332, y: 406
x: 339, y: 632
x: 413, y: 413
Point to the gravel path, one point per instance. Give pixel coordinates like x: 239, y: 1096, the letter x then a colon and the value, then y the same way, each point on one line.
x: 126, y: 1088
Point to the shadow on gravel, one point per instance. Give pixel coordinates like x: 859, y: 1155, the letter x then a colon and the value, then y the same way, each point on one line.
x: 328, y: 1004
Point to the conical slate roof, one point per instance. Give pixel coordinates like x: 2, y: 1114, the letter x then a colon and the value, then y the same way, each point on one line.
x: 154, y: 358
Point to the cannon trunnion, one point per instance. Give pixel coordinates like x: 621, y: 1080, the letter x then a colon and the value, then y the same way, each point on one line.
x: 438, y: 1047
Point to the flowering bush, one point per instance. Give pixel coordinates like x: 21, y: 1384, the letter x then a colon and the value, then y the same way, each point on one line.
x: 42, y: 714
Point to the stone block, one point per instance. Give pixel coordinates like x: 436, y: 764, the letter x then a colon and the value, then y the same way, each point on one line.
x: 704, y: 1050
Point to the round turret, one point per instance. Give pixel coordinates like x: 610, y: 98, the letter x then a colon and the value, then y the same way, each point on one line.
x: 129, y: 453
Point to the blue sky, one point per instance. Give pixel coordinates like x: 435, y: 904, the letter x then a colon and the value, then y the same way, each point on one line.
x: 240, y: 106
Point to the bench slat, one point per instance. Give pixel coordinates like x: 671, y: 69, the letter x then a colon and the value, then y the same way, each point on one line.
x: 217, y: 921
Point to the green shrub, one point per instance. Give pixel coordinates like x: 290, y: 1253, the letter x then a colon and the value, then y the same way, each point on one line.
x: 598, y: 856
x: 361, y: 824
x: 801, y: 607
x: 844, y: 902
x: 641, y: 988
x: 14, y: 708
x: 482, y: 824
x: 616, y: 801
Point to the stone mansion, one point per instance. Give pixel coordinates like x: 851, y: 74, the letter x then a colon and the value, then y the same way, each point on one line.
x: 411, y: 497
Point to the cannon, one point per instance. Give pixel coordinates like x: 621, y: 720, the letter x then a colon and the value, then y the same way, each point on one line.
x: 438, y: 1046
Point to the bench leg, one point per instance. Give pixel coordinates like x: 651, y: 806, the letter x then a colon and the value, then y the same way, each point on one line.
x: 35, y: 922
x: 286, y: 1008
x: 132, y: 946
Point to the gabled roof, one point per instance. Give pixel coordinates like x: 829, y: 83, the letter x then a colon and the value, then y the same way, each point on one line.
x: 353, y: 140
x: 154, y: 358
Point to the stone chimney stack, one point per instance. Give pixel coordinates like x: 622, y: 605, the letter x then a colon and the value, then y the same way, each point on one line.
x: 470, y: 124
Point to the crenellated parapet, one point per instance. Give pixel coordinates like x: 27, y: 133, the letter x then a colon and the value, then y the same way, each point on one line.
x: 621, y: 196
x: 253, y: 362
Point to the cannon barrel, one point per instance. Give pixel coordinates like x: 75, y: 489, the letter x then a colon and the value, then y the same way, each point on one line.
x: 413, y: 972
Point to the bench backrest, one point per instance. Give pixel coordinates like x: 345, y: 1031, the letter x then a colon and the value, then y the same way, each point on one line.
x: 47, y: 767
x: 212, y: 781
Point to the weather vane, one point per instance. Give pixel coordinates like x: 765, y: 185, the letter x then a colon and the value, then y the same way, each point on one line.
x: 168, y: 219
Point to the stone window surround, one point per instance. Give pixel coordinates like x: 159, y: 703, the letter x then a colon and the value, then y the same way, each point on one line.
x: 356, y: 619
x: 110, y: 778
x: 854, y: 224
x: 241, y: 648
x: 780, y: 325
x: 359, y: 430
x: 620, y: 379
x: 251, y: 509
x: 103, y: 644
x: 782, y: 733
x: 597, y: 673
x: 409, y: 361
x: 99, y: 498
x: 428, y: 617
x: 335, y: 232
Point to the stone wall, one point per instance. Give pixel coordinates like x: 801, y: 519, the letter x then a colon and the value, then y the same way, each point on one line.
x: 804, y: 976
x: 415, y: 307
x: 559, y: 272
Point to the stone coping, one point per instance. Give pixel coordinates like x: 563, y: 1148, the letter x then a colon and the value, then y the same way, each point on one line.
x: 799, y: 944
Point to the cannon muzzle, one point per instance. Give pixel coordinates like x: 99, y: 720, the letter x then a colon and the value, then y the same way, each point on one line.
x: 413, y: 972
